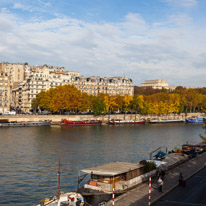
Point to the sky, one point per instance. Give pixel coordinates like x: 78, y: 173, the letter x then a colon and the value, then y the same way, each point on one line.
x: 140, y: 39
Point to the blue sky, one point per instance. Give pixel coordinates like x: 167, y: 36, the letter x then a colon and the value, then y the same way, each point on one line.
x: 141, y: 39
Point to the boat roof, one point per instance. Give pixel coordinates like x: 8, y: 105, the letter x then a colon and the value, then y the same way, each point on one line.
x: 112, y: 169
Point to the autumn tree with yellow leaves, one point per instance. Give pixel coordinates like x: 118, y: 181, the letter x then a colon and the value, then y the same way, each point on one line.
x: 69, y: 98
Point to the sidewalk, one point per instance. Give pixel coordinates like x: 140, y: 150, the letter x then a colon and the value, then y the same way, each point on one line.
x: 139, y: 195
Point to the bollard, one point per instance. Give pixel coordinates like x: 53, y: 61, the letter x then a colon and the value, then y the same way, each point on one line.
x: 113, y: 198
x: 149, y: 191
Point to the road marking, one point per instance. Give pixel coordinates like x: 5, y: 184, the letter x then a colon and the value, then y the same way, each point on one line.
x: 184, y: 203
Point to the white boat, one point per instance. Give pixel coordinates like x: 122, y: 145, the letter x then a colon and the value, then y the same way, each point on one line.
x: 123, y: 121
x: 65, y: 199
x: 155, y: 121
x: 70, y: 198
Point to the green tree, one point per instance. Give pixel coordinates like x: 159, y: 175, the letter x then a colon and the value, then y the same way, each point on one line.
x: 34, y: 105
x: 98, y: 105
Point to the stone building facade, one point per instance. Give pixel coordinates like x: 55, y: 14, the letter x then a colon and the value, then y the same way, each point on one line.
x: 28, y: 81
x: 5, y: 92
x: 157, y: 84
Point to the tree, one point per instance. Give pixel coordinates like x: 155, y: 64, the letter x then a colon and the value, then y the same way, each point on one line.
x: 61, y: 98
x: 67, y: 97
x: 85, y: 102
x: 106, y: 103
x: 203, y: 104
x: 34, y: 105
x: 98, y: 105
x: 44, y: 99
x: 137, y: 103
x: 191, y: 100
x: 127, y: 102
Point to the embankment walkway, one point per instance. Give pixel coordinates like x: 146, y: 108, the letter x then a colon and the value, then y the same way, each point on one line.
x: 103, y: 118
x: 139, y: 195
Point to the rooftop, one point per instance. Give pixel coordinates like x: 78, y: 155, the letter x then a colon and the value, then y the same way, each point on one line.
x: 112, y: 169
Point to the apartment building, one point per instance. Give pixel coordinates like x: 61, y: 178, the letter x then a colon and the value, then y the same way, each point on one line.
x: 28, y: 81
x: 111, y: 86
x: 5, y: 92
x: 14, y: 71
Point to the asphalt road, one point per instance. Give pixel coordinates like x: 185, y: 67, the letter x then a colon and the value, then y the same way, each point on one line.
x: 193, y: 194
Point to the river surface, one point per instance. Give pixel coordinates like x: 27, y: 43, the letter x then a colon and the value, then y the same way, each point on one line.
x: 29, y: 156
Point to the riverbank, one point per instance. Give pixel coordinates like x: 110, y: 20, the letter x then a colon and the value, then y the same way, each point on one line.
x: 103, y: 118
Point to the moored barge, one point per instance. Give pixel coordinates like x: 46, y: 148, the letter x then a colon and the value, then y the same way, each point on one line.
x: 195, y: 120
x: 122, y: 121
x: 7, y: 123
x: 80, y: 123
x: 156, y: 121
x: 118, y: 175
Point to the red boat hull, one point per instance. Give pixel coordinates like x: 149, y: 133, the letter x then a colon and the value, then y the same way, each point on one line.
x: 80, y: 123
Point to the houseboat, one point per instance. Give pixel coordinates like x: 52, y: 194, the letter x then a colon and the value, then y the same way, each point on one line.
x: 123, y: 121
x: 159, y: 120
x: 7, y: 123
x: 80, y: 123
x: 118, y: 175
x: 195, y: 120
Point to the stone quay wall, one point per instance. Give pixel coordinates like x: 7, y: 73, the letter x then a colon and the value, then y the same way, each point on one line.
x: 103, y: 118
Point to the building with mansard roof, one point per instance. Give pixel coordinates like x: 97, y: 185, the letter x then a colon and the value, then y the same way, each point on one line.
x: 28, y: 81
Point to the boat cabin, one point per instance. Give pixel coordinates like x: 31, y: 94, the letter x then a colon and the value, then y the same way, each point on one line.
x: 117, y: 175
x: 188, y: 148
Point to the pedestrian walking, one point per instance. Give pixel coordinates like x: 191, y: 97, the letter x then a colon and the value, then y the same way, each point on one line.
x: 160, y: 183
x: 181, y: 180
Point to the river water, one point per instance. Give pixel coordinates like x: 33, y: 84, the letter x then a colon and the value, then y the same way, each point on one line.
x: 29, y: 156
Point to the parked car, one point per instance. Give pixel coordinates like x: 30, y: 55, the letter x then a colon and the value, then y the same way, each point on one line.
x: 10, y: 113
x: 44, y: 113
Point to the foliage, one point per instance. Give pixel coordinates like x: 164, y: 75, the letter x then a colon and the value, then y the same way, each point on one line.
x: 34, y: 105
x: 148, y: 101
x: 85, y: 104
x: 98, y: 105
x: 149, y: 166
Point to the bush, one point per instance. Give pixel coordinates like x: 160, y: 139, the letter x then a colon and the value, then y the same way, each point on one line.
x: 149, y: 166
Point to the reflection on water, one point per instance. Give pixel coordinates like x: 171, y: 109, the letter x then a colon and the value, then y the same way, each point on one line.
x: 29, y: 156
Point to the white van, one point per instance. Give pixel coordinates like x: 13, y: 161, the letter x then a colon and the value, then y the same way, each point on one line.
x: 10, y: 113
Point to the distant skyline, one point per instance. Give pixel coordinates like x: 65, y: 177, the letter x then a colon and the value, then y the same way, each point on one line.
x: 140, y: 39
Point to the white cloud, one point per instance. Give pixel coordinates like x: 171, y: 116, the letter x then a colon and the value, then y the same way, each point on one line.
x: 132, y: 47
x: 182, y: 3
x: 22, y: 7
